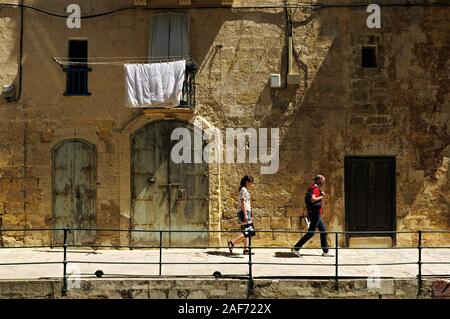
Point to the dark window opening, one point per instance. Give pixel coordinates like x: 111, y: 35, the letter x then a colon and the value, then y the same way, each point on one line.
x: 369, y: 57
x: 77, y: 71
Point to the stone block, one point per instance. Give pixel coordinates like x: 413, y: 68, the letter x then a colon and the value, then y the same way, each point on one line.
x: 295, y: 211
x: 280, y: 223
x: 158, y: 294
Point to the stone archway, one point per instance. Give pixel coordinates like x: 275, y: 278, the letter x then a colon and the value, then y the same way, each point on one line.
x: 166, y: 195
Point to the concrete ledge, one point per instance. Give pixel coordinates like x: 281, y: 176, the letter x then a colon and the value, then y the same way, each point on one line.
x: 362, y: 242
x: 181, y: 288
x: 183, y: 114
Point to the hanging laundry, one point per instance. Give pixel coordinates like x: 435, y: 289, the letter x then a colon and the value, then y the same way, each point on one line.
x: 155, y: 84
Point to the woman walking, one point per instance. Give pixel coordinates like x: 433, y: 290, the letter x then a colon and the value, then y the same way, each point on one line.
x: 244, y: 214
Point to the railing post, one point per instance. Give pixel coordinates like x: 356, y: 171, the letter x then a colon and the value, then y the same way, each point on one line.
x: 160, y: 252
x: 250, y: 270
x: 419, y: 247
x: 336, y: 245
x: 64, y: 289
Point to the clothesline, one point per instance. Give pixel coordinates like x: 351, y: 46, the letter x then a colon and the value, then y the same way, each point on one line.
x: 62, y: 61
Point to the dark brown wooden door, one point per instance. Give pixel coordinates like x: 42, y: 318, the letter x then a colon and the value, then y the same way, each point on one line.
x: 370, y: 194
x: 167, y: 195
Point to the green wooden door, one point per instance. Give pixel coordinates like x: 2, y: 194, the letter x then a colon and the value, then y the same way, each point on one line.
x: 74, y: 191
x: 166, y: 195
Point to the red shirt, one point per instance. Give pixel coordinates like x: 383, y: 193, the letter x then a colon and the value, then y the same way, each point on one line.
x: 316, y: 191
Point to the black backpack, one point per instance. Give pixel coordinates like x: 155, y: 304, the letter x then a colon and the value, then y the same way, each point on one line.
x: 310, y: 206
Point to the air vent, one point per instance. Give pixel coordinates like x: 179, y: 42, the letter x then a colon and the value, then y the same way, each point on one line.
x: 185, y: 3
x: 140, y: 3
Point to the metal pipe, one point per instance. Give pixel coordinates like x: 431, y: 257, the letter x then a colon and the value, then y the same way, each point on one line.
x: 160, y: 253
x: 64, y: 289
x: 419, y: 247
x: 250, y: 270
x: 337, y: 261
x: 19, y: 93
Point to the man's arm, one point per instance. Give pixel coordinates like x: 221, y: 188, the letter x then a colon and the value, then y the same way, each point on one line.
x: 317, y: 195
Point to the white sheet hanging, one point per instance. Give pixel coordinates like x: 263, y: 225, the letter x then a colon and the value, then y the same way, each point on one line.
x: 155, y: 84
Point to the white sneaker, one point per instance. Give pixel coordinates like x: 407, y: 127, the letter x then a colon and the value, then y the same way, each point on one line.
x: 327, y: 255
x: 296, y: 252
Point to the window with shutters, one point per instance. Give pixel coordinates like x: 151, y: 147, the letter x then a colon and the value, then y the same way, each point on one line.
x: 77, y: 70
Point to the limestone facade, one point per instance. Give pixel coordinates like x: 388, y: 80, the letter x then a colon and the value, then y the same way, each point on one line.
x: 401, y: 108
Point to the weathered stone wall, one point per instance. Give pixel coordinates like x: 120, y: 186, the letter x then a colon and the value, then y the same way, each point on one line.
x: 217, y: 289
x: 401, y: 108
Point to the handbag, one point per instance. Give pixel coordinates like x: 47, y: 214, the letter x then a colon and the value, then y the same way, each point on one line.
x: 248, y: 230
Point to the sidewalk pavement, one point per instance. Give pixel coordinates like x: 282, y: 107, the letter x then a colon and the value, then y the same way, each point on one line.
x: 317, y: 265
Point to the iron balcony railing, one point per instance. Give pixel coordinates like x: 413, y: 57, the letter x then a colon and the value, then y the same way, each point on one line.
x: 77, y: 80
x: 337, y: 265
x: 188, y: 95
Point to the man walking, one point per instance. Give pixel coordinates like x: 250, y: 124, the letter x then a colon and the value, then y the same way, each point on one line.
x: 313, y: 201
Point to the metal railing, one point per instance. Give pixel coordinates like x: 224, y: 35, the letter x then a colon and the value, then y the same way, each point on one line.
x: 77, y: 80
x: 250, y: 277
x: 188, y: 92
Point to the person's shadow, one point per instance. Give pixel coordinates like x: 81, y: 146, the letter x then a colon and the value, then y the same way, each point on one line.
x: 283, y: 254
x: 224, y: 254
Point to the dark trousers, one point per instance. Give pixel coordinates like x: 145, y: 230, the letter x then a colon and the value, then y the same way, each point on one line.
x: 316, y: 222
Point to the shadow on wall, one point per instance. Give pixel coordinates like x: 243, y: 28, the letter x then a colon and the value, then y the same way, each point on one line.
x: 225, y: 50
x: 311, y: 116
x: 317, y: 126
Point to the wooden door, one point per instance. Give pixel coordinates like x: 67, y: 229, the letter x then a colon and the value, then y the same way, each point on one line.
x: 166, y: 195
x: 150, y: 204
x: 74, y: 191
x: 370, y: 194
x: 189, y: 198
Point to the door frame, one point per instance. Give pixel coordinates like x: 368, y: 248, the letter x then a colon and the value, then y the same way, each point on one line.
x: 215, y: 206
x: 53, y: 151
x: 131, y: 175
x: 394, y: 197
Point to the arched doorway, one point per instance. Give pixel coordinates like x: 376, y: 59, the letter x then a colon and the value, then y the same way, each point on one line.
x: 166, y: 195
x: 74, y: 190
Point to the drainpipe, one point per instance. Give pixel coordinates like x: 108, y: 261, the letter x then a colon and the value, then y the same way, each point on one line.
x: 25, y: 176
x: 288, y: 35
x: 19, y: 93
x: 25, y: 127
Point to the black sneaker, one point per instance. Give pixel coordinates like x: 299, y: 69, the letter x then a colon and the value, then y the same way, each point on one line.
x: 230, y: 246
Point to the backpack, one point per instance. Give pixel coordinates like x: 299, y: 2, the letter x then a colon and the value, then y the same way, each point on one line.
x: 310, y: 206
